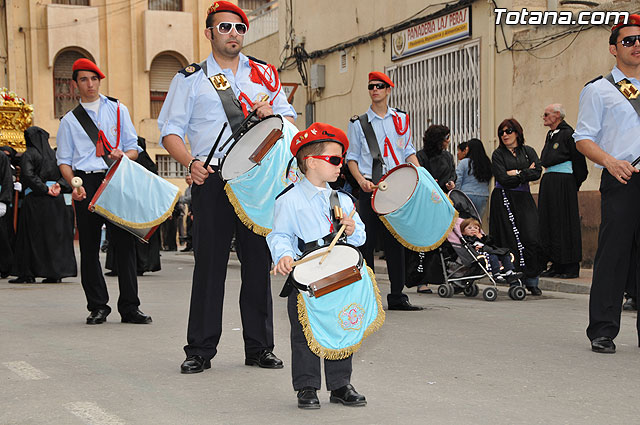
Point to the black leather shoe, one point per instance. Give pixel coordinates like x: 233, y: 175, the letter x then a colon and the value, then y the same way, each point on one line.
x: 603, y: 344
x: 21, y: 279
x: 630, y: 305
x: 534, y: 290
x: 51, y: 280
x: 136, y: 317
x: 308, y: 398
x: 348, y: 396
x: 404, y: 305
x: 98, y: 316
x: 111, y: 273
x: 265, y: 359
x: 194, y: 364
x: 548, y: 273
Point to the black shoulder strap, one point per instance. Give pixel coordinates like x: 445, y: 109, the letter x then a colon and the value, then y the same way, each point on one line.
x: 257, y: 60
x: 370, y: 135
x: 230, y: 104
x: 90, y: 128
x: 594, y: 80
x: 334, y: 201
x: 628, y: 90
x: 353, y: 198
x: 286, y: 189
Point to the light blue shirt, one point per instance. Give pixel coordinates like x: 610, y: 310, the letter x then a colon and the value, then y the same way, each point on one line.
x: 193, y: 107
x: 607, y: 118
x: 76, y: 149
x: 304, y: 212
x: 467, y: 182
x: 383, y: 127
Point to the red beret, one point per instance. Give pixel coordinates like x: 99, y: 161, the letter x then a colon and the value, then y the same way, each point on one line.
x: 633, y: 20
x: 380, y: 76
x: 83, y: 64
x: 225, y: 6
x: 319, y: 132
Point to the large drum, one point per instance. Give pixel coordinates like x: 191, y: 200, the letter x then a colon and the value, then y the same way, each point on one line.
x: 254, y: 168
x: 134, y: 198
x: 414, y: 208
x: 339, y: 302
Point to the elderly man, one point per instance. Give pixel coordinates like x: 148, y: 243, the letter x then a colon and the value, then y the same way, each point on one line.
x: 565, y: 170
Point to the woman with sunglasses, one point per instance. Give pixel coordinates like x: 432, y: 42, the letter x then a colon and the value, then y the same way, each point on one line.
x: 513, y: 221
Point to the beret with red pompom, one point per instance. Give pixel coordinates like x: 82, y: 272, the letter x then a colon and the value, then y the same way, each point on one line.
x: 316, y: 133
x: 633, y: 20
x: 380, y: 76
x: 225, y: 6
x: 84, y: 64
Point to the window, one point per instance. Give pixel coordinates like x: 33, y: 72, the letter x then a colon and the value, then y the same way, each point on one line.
x: 163, y: 68
x: 64, y: 97
x: 423, y: 89
x: 172, y: 5
x: 169, y: 168
x: 251, y: 4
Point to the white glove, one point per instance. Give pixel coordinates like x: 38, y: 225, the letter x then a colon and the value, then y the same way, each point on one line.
x: 17, y: 186
x: 3, y: 209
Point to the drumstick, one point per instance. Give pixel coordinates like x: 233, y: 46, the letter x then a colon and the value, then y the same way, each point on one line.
x: 243, y: 124
x: 382, y: 186
x: 335, y: 239
x: 215, y: 145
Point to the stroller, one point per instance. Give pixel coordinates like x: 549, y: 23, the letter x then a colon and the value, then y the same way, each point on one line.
x: 461, y: 264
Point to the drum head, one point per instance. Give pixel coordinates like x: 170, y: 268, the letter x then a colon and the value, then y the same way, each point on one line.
x: 401, y: 183
x: 341, y: 257
x: 236, y: 162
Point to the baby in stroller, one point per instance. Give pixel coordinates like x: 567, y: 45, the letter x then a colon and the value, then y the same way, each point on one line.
x: 496, y: 256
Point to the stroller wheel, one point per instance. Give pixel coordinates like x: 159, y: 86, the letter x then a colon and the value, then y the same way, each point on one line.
x: 519, y: 293
x: 443, y: 291
x: 490, y: 294
x: 471, y: 290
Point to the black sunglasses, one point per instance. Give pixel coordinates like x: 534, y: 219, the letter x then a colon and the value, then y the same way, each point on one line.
x: 630, y: 41
x: 331, y: 159
x: 225, y: 27
x: 378, y: 86
x: 508, y: 131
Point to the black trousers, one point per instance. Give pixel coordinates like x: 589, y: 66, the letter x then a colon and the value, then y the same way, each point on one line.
x: 89, y: 231
x: 305, y: 365
x: 616, y: 259
x: 214, y: 223
x: 393, y: 250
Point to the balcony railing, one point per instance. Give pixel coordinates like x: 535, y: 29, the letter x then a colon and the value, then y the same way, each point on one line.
x: 263, y: 22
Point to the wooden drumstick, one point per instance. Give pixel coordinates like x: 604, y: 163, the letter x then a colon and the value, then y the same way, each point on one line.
x: 302, y: 261
x: 76, y: 182
x: 335, y: 239
x: 381, y: 186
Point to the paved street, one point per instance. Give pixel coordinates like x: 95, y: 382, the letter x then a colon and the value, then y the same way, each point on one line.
x: 460, y: 361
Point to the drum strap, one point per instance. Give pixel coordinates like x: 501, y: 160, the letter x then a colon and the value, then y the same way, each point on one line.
x: 372, y: 141
x: 91, y: 129
x: 231, y: 105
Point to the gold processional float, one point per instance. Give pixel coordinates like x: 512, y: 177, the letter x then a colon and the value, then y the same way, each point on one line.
x: 15, y: 117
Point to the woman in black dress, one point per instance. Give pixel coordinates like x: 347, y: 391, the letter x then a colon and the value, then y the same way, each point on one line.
x: 513, y: 220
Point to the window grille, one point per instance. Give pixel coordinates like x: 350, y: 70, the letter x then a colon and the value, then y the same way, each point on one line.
x: 169, y: 168
x: 72, y: 2
x: 440, y: 88
x: 64, y: 96
x: 170, y: 5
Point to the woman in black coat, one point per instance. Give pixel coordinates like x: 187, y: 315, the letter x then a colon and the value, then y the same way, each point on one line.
x: 435, y: 157
x: 513, y: 220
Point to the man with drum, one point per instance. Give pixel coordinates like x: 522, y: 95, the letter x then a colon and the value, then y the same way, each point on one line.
x: 88, y: 157
x: 380, y: 140
x: 608, y: 133
x: 202, y: 98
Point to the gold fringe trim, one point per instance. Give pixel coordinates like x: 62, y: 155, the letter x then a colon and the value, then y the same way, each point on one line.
x: 114, y: 218
x: 242, y: 215
x: 343, y: 353
x: 412, y: 247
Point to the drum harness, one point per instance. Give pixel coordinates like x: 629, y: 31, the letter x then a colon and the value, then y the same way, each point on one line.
x: 334, y: 202
x: 97, y: 136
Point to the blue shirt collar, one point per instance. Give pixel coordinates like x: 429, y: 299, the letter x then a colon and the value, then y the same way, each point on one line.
x: 213, y: 68
x: 309, y: 189
x: 371, y: 115
x: 619, y: 75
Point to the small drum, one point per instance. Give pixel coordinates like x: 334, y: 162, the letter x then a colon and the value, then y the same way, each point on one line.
x: 341, y: 268
x: 134, y: 198
x: 414, y: 208
x: 255, y: 170
x: 249, y: 150
x: 339, y: 302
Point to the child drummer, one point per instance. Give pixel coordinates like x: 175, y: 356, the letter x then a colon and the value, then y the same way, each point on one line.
x: 303, y: 220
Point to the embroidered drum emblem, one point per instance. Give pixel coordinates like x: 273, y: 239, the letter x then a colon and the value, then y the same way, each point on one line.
x: 350, y: 318
x: 435, y: 197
